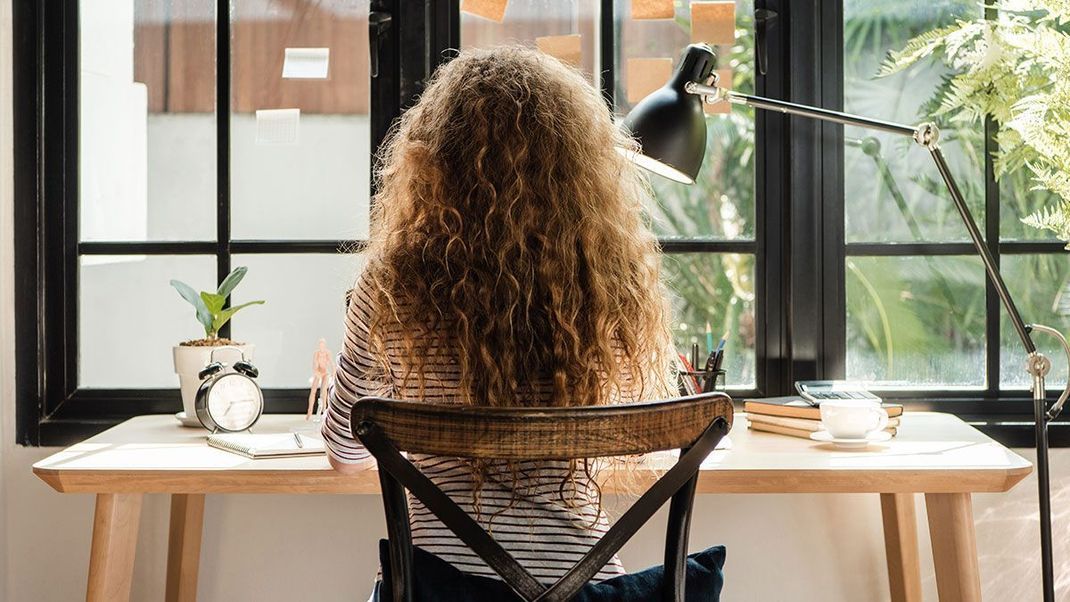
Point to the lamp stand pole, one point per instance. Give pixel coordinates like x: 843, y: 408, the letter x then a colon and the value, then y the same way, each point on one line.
x: 1037, y: 365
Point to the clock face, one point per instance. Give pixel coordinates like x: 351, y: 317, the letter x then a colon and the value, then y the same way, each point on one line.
x: 234, y: 402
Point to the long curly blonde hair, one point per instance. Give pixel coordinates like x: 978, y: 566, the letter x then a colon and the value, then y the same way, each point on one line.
x: 514, y: 232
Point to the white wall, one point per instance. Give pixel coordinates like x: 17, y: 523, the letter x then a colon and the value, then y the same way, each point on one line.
x: 803, y: 547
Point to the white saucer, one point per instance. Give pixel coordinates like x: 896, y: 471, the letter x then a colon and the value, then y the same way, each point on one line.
x: 874, y: 437
x: 187, y: 421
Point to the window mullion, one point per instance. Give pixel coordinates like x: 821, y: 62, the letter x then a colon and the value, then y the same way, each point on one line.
x: 993, y: 309
x: 222, y: 71
x: 607, y: 63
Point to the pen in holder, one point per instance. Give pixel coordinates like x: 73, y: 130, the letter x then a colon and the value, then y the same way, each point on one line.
x: 713, y: 377
x: 702, y: 381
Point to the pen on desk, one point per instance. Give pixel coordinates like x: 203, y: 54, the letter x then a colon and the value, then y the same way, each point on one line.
x: 297, y: 438
x: 709, y: 338
x: 694, y: 357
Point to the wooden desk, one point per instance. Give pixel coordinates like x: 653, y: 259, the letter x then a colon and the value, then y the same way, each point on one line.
x: 935, y: 454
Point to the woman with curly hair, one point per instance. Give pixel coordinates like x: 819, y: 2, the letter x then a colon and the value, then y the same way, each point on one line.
x: 510, y: 265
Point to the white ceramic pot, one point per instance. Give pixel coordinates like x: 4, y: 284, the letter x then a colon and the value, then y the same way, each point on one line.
x: 190, y: 360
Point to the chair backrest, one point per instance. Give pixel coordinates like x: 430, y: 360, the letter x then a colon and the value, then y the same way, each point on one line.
x: 388, y: 427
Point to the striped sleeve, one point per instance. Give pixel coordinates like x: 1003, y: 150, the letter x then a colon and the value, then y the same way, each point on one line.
x: 358, y: 375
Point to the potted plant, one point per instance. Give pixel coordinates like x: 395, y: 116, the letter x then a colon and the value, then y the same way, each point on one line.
x: 192, y: 356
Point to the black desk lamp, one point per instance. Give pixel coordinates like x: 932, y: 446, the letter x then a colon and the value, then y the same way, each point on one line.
x: 669, y: 126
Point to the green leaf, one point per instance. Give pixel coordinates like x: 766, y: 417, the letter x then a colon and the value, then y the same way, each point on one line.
x: 204, y: 316
x: 225, y: 315
x: 213, y: 302
x: 231, y: 280
x: 917, y: 48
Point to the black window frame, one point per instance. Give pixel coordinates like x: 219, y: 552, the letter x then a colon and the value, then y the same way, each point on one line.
x: 799, y: 242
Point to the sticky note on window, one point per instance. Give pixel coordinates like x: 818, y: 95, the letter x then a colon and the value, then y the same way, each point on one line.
x: 713, y: 22
x: 277, y: 126
x: 306, y: 63
x: 567, y: 48
x: 724, y: 80
x: 652, y: 9
x: 644, y: 75
x: 488, y: 9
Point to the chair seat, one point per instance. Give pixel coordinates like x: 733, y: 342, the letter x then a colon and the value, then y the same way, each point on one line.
x: 439, y: 581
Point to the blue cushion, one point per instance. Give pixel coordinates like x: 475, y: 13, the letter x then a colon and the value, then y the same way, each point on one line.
x: 435, y: 579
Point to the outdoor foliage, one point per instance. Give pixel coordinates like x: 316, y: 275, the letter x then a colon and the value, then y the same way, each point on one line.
x: 706, y: 287
x: 1016, y: 70
x: 914, y: 321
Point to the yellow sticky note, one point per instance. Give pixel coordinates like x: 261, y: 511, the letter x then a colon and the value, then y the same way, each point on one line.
x: 724, y: 80
x: 652, y: 9
x: 488, y: 9
x: 644, y: 75
x: 713, y: 22
x: 567, y: 48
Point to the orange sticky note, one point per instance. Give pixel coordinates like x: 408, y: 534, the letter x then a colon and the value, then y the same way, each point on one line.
x: 724, y: 107
x: 652, y: 9
x: 644, y: 75
x: 488, y: 9
x: 713, y: 22
x: 567, y: 48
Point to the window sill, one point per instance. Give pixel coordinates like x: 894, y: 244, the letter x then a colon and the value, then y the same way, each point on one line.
x: 1008, y: 421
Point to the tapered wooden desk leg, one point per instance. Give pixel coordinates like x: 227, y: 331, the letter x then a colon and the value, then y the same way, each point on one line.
x: 901, y: 546
x: 954, y: 546
x: 111, y: 558
x: 184, y: 547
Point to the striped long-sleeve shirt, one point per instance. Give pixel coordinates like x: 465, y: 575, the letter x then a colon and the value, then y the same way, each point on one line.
x: 526, y: 515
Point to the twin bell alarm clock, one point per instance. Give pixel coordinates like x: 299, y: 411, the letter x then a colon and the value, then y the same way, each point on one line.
x: 229, y: 399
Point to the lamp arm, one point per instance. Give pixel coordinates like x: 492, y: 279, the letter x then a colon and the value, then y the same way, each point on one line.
x: 712, y: 95
x: 926, y: 135
x: 982, y: 249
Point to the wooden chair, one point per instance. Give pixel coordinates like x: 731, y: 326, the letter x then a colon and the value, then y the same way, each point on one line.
x: 387, y: 427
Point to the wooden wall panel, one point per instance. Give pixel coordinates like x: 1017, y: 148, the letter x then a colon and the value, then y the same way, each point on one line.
x: 150, y: 50
x: 259, y: 41
x: 181, y: 53
x: 191, y: 60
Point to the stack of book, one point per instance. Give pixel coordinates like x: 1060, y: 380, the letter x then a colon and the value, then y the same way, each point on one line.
x: 797, y: 418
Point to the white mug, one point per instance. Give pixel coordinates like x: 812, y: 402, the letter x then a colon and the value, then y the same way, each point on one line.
x: 852, y: 418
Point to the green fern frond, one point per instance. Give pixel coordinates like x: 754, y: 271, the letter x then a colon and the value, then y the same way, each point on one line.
x: 1015, y: 71
x: 918, y: 48
x: 1055, y: 219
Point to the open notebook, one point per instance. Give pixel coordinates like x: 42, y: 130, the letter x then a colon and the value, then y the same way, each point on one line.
x: 267, y: 445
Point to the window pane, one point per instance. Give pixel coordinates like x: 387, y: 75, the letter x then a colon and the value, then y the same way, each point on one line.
x: 720, y: 204
x: 892, y: 189
x: 130, y: 317
x: 305, y: 301
x: 147, y: 124
x: 719, y: 289
x: 1040, y: 285
x: 916, y: 321
x: 300, y: 174
x: 525, y: 22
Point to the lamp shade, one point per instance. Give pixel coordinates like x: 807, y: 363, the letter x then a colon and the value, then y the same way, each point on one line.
x: 669, y: 125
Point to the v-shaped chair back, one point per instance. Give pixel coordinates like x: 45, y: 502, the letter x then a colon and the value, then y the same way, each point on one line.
x: 388, y: 427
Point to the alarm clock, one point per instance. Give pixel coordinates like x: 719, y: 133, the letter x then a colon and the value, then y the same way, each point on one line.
x: 229, y: 400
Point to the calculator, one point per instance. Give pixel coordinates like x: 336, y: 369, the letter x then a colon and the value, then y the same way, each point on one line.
x: 816, y: 391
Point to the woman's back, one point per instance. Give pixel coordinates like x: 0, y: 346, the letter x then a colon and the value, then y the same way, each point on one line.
x: 544, y: 528
x: 509, y: 265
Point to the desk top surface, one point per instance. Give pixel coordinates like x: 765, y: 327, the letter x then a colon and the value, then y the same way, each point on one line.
x: 935, y: 453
